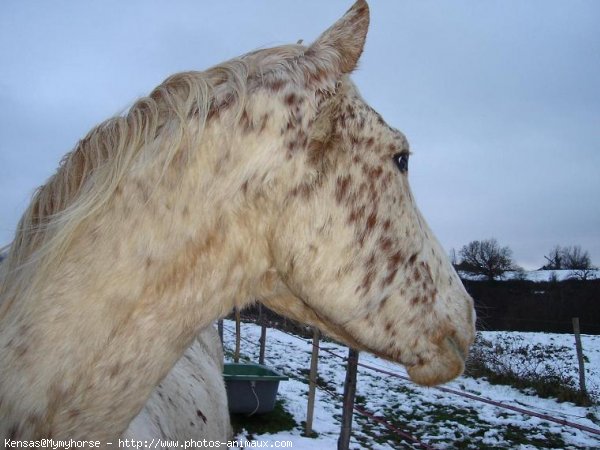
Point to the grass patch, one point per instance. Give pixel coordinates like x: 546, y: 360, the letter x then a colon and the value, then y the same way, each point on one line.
x: 313, y: 434
x: 426, y: 420
x: 273, y: 422
x: 469, y: 431
x: 519, y: 435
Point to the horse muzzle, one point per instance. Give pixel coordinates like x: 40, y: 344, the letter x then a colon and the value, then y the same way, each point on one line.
x: 446, y: 363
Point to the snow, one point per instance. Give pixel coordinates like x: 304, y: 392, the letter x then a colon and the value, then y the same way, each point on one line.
x: 534, y: 275
x: 439, y: 419
x: 566, y: 361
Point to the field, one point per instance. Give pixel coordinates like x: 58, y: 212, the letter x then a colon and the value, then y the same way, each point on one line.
x: 439, y: 419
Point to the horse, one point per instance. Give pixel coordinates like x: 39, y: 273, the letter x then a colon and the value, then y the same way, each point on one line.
x: 267, y: 177
x: 190, y: 402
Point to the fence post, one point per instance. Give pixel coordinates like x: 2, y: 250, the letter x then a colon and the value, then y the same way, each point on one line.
x: 579, y: 349
x: 263, y: 335
x: 238, y: 332
x: 220, y: 328
x: 348, y: 402
x: 312, y: 383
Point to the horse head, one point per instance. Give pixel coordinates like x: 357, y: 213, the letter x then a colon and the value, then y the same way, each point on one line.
x: 350, y: 251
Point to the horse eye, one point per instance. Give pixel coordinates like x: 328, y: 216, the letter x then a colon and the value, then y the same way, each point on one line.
x: 401, y: 160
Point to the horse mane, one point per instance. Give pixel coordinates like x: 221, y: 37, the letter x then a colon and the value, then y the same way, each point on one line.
x: 88, y: 176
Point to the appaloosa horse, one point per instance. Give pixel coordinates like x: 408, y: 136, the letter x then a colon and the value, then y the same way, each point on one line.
x: 266, y: 177
x: 190, y: 402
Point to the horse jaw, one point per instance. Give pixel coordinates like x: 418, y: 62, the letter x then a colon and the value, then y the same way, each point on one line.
x: 447, y: 356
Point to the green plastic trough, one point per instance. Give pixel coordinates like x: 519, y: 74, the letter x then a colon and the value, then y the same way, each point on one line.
x: 251, y: 388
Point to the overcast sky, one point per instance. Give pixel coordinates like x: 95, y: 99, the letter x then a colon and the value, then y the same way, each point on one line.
x: 499, y: 99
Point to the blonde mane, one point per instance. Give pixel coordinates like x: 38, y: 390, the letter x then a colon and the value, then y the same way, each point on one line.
x: 88, y: 176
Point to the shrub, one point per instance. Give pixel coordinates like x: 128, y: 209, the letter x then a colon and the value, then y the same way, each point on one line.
x: 528, y: 367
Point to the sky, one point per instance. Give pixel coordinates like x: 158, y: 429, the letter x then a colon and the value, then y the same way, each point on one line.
x: 500, y: 100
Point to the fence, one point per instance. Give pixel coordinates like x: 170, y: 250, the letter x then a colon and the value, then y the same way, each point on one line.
x: 513, y: 305
x: 402, y: 434
x: 380, y: 420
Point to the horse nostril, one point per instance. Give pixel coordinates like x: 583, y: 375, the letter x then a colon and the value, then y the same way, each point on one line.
x: 460, y: 350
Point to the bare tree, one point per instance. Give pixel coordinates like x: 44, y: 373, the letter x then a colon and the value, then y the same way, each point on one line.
x: 579, y: 262
x: 569, y: 258
x: 486, y: 258
x: 584, y: 274
x: 574, y: 258
x: 554, y: 258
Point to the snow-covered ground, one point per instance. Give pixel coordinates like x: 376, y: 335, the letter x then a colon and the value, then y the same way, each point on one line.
x: 536, y: 275
x: 439, y: 419
x: 552, y: 352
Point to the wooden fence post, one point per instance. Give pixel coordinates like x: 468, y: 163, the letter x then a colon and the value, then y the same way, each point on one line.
x: 263, y: 335
x: 312, y: 383
x: 220, y: 328
x: 579, y: 349
x: 348, y: 403
x: 238, y: 332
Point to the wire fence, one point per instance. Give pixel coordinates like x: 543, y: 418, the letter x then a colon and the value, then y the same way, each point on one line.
x: 364, y: 412
x: 469, y: 395
x: 529, y: 411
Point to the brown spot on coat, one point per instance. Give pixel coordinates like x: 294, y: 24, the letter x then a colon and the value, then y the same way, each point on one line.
x: 389, y: 278
x: 342, y: 187
x: 386, y: 180
x: 290, y: 99
x: 202, y: 416
x: 376, y: 172
x: 395, y: 259
x: 367, y: 281
x: 263, y: 122
x: 356, y: 214
x: 371, y: 261
x: 385, y: 243
x: 275, y: 85
x: 412, y: 259
x: 371, y: 221
x: 416, y: 275
x: 383, y: 303
x: 302, y: 190
x: 21, y: 349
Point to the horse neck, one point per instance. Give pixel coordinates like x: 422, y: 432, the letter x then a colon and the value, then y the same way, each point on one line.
x: 169, y: 254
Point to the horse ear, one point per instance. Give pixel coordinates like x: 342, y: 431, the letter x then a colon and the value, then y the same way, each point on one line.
x: 337, y: 50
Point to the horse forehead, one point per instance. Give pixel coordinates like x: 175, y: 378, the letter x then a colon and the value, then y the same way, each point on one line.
x: 353, y: 101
